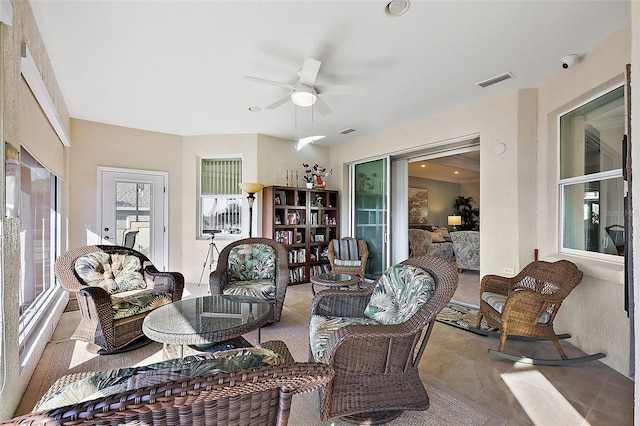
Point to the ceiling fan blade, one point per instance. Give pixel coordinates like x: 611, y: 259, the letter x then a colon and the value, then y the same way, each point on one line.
x: 309, y: 72
x: 322, y: 106
x: 264, y: 81
x: 332, y: 89
x: 279, y: 102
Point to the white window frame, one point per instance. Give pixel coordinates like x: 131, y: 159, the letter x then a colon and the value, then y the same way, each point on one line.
x: 200, y: 234
x: 592, y: 177
x: 29, y: 322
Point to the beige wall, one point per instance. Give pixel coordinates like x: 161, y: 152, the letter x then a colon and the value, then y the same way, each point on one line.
x: 97, y: 144
x: 496, y: 122
x: 518, y: 202
x: 14, y: 377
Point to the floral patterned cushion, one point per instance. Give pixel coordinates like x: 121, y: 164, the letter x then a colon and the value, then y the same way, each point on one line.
x: 249, y: 262
x: 141, y: 301
x: 262, y: 289
x: 399, y: 293
x: 120, y: 380
x: 114, y: 273
x: 321, y: 328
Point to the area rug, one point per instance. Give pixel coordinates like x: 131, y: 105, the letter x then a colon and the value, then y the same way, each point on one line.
x: 460, y: 316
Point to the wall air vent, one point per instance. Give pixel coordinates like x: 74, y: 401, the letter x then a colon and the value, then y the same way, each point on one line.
x: 346, y: 131
x: 496, y: 79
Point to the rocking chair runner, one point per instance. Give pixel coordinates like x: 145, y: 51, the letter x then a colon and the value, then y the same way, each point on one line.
x: 527, y: 304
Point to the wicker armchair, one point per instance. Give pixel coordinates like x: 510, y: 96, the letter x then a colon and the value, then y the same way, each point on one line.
x: 256, y: 396
x: 529, y: 302
x: 255, y: 267
x: 340, y: 262
x: 376, y: 365
x: 98, y: 276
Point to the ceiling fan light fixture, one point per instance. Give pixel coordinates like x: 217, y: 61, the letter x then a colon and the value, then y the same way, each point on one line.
x: 303, y: 95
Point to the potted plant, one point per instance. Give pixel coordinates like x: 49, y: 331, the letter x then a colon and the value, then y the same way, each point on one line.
x: 470, y: 215
x: 308, y: 175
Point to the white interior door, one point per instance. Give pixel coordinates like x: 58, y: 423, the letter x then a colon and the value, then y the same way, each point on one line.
x: 133, y: 211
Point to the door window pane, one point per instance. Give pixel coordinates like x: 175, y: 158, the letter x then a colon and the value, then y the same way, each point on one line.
x: 133, y: 215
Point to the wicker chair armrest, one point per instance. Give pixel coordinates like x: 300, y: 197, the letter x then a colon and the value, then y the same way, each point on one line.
x: 496, y: 284
x: 282, y: 272
x: 96, y: 296
x: 364, y: 251
x: 165, y: 281
x: 218, y: 280
x: 341, y: 303
x: 523, y: 295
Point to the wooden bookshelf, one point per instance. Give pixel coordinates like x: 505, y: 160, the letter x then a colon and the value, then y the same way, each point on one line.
x: 304, y: 221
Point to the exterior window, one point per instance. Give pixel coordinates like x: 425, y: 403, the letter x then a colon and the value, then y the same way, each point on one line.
x: 591, y: 184
x: 38, y: 231
x: 220, y: 196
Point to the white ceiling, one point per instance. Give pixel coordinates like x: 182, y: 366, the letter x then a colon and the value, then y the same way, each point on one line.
x: 177, y: 66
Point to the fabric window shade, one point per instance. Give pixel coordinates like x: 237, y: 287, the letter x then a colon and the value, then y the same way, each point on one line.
x: 36, y: 133
x: 220, y: 176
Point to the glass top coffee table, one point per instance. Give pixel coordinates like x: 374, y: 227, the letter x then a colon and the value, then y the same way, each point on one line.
x: 206, y: 320
x: 334, y: 281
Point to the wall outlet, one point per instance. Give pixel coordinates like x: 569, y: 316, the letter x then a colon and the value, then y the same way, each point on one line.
x: 508, y: 271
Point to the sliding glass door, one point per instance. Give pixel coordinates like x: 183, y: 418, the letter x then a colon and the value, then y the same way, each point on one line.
x: 370, y: 221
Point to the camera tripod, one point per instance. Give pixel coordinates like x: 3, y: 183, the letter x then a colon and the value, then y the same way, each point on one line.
x: 209, y: 259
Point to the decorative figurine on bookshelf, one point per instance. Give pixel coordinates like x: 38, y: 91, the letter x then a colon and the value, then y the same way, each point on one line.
x: 321, y: 172
x: 318, y: 201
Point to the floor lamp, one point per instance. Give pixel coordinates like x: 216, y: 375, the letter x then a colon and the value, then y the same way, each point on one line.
x: 251, y: 188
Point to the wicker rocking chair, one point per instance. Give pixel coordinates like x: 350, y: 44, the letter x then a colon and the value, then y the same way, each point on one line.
x: 524, y: 307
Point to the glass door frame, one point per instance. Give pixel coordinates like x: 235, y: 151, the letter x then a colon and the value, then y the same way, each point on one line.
x: 386, y: 237
x: 107, y: 179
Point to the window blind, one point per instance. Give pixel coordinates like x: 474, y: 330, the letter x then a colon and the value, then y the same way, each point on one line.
x: 221, y: 176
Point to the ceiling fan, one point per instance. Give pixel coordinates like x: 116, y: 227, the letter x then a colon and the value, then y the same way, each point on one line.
x: 303, y: 93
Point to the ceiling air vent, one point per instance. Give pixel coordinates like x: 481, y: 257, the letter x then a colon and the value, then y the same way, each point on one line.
x: 496, y: 79
x: 346, y: 131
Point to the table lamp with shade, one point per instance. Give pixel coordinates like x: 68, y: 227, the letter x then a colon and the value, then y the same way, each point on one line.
x: 251, y: 188
x: 454, y: 221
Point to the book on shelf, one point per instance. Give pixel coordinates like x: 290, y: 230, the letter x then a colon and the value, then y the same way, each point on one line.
x: 297, y: 256
x: 297, y: 275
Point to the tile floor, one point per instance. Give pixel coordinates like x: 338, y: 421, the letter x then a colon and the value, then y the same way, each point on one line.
x: 517, y: 394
